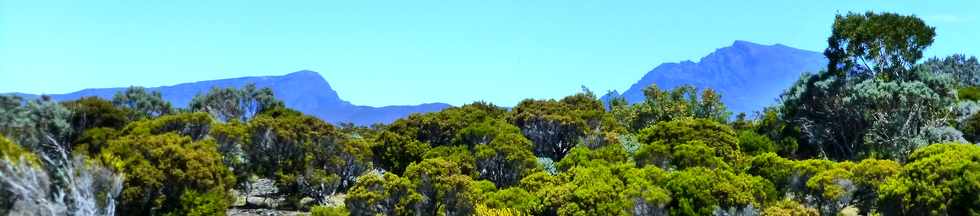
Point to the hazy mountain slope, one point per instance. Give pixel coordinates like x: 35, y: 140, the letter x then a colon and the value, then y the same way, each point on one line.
x: 305, y: 91
x: 749, y: 76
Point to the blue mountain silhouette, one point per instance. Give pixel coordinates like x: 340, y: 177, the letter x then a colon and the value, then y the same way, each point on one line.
x: 749, y: 76
x: 305, y: 91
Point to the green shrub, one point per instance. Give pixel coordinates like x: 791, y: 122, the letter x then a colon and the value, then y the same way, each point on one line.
x: 940, y: 179
x: 329, y: 211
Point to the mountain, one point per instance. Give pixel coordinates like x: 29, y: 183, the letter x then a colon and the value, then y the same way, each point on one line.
x: 305, y: 91
x: 749, y: 76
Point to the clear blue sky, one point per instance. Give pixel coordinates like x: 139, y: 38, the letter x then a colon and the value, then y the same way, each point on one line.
x: 409, y: 52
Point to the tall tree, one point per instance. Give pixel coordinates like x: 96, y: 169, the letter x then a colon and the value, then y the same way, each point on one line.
x: 871, y: 101
x: 877, y: 44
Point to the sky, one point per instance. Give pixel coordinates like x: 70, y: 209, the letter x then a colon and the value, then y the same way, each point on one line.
x: 408, y: 52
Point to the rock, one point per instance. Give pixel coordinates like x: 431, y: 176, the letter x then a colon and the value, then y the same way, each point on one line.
x: 239, y: 198
x: 263, y: 187
x: 262, y: 212
x: 265, y: 202
x: 334, y: 200
x: 306, y: 203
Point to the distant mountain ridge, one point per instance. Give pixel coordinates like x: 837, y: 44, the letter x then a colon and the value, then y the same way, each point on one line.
x: 305, y: 91
x: 749, y: 76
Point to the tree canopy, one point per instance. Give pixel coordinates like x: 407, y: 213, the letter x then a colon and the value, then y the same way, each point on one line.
x: 876, y: 132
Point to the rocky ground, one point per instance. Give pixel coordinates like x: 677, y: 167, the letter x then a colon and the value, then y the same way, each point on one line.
x: 263, y: 201
x: 263, y: 212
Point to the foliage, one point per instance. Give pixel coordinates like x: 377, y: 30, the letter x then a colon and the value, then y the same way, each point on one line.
x: 407, y: 140
x: 779, y: 171
x: 47, y: 125
x: 441, y: 128
x: 877, y: 44
x: 482, y: 210
x: 555, y: 127
x: 143, y: 104
x: 385, y: 194
x: 684, y: 101
x: 160, y: 170
x: 585, y: 157
x: 857, y: 135
x: 753, y: 143
x: 898, y: 113
x: 971, y: 128
x: 194, y: 125
x: 231, y: 139
x: 226, y: 104
x: 698, y: 191
x: 966, y: 71
x: 789, y: 208
x: 696, y: 154
x: 395, y: 152
x: 661, y: 141
x: 871, y: 117
x: 940, y: 179
x: 872, y: 101
x: 305, y: 155
x: 447, y: 190
x: 587, y: 191
x: 506, y: 159
x: 93, y: 140
x: 868, y: 176
x: 832, y: 189
x: 10, y: 151
x: 514, y: 200
x: 971, y: 93
x: 329, y: 211
x: 773, y: 124
x: 213, y: 202
x: 92, y: 112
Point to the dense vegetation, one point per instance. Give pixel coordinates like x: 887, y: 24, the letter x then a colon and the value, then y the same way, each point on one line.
x: 876, y: 132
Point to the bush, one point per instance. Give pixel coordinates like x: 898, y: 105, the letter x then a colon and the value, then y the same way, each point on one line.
x: 971, y: 93
x: 789, y: 208
x: 661, y: 141
x: 193, y: 203
x: 940, y: 179
x: 329, y: 211
x: 160, y: 169
x: 753, y: 143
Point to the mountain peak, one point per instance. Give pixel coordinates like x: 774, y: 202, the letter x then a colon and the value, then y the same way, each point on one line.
x: 747, y: 52
x: 304, y: 75
x: 742, y: 43
x: 303, y: 72
x: 741, y: 46
x: 303, y: 90
x: 748, y: 75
